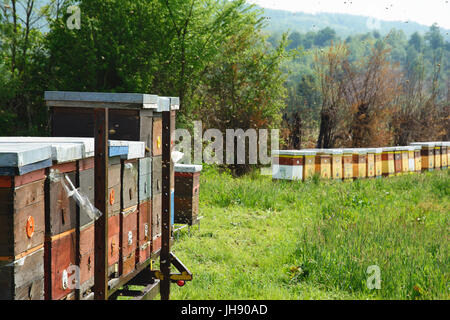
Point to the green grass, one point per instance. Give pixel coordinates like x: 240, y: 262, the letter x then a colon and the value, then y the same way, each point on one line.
x: 261, y: 239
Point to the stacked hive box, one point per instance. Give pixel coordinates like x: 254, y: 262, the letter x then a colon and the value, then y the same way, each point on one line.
x: 437, y: 155
x: 417, y: 159
x: 145, y: 209
x: 287, y: 165
x: 309, y: 168
x: 446, y: 146
x: 388, y: 161
x: 378, y: 162
x: 187, y: 183
x: 323, y: 164
x: 405, y: 159
x: 347, y: 164
x: 398, y: 161
x: 22, y: 221
x: 135, y: 117
x: 336, y: 164
x: 360, y: 163
x: 427, y: 155
x: 371, y: 162
x: 411, y: 159
x: 68, y: 233
x: 444, y: 155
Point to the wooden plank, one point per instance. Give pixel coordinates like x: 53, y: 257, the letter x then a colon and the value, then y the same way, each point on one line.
x: 63, y: 210
x: 129, y: 183
x: 166, y: 233
x: 146, y: 131
x: 145, y: 236
x: 19, y: 171
x: 129, y: 242
x: 62, y: 257
x: 101, y: 201
x: 23, y: 279
x: 157, y: 175
x: 157, y: 137
x: 145, y: 179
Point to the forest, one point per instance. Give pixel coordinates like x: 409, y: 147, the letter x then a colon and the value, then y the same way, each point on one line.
x: 229, y: 69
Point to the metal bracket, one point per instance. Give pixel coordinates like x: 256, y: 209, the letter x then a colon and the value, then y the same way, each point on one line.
x: 184, y: 275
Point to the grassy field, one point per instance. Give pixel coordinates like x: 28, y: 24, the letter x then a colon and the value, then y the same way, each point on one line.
x: 315, y: 240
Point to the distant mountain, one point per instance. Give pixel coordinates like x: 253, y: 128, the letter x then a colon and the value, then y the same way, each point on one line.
x: 343, y: 24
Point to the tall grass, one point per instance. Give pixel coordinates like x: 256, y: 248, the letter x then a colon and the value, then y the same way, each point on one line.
x: 264, y: 239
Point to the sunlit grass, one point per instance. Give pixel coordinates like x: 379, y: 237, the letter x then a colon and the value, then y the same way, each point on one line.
x: 261, y: 239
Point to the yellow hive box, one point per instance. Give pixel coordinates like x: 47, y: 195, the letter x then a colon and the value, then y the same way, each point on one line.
x: 445, y: 153
x: 405, y: 160
x: 347, y: 164
x: 323, y: 163
x: 378, y: 162
x: 427, y: 154
x: 437, y: 155
x: 371, y: 162
x: 336, y: 163
x: 417, y: 158
x: 310, y: 164
x: 360, y: 163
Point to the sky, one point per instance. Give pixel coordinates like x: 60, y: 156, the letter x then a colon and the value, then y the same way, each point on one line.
x: 424, y: 12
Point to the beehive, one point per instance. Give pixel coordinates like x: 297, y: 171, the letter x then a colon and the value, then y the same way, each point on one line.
x: 360, y: 163
x: 187, y: 183
x: 417, y: 159
x: 22, y: 220
x: 398, y: 162
x: 437, y: 155
x: 388, y: 161
x: 136, y: 117
x: 336, y: 164
x: 347, y: 164
x: 145, y: 209
x: 371, y: 162
x: 378, y: 163
x: 286, y: 165
x: 405, y: 159
x: 323, y: 163
x: 427, y: 155
x: 309, y: 168
x: 446, y: 147
x: 411, y: 159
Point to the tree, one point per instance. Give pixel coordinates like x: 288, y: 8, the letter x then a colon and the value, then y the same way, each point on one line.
x: 328, y: 71
x: 243, y: 87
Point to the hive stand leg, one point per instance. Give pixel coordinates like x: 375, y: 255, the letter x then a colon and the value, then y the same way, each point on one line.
x: 101, y: 192
x: 167, y: 170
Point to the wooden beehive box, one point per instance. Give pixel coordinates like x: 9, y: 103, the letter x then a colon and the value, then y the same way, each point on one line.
x: 323, y: 164
x: 360, y: 163
x: 446, y: 152
x: 427, y: 155
x: 187, y: 184
x: 286, y: 165
x: 336, y: 164
x: 378, y: 162
x: 371, y: 162
x: 347, y: 164
x: 388, y: 161
x: 438, y: 155
x: 22, y: 220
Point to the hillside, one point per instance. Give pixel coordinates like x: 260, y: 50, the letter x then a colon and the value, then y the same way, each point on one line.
x: 343, y: 24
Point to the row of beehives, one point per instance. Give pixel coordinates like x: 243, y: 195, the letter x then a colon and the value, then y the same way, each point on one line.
x: 360, y: 163
x: 44, y: 234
